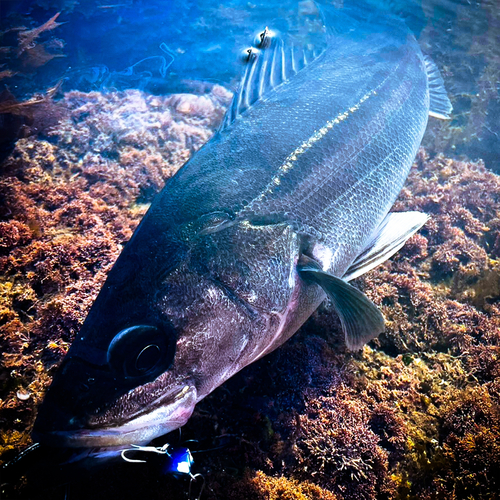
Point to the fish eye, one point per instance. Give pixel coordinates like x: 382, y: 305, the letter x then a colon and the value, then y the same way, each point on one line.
x: 141, y: 351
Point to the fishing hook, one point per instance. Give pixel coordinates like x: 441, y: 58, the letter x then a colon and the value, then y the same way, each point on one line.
x: 161, y: 450
x: 193, y: 480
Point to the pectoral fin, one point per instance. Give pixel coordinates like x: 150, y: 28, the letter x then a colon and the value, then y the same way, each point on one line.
x: 390, y: 236
x: 361, y: 319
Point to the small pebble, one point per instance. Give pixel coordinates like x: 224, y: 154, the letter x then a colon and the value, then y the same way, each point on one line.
x: 23, y: 394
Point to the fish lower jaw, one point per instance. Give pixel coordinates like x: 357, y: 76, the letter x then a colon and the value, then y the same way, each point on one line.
x: 140, y: 430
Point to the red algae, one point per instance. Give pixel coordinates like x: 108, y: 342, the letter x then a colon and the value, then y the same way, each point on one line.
x: 414, y: 415
x: 339, y: 450
x: 68, y: 207
x: 30, y: 53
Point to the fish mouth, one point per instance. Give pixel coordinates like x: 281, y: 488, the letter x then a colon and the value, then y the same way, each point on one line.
x: 141, y: 429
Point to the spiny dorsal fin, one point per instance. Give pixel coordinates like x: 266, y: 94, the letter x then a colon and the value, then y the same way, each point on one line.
x: 439, y: 106
x: 268, y: 65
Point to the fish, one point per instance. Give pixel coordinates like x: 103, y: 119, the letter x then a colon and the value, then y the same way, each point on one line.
x: 287, y: 203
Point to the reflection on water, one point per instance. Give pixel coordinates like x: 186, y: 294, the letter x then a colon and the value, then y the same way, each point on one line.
x: 141, y: 75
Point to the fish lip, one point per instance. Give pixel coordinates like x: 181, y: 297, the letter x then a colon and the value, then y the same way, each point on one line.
x: 144, y: 426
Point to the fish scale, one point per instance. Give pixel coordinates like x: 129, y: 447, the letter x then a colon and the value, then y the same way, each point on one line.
x: 320, y: 199
x: 280, y: 209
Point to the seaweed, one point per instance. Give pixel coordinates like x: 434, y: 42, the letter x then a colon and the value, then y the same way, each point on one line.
x: 414, y: 415
x: 29, y: 53
x: 259, y: 486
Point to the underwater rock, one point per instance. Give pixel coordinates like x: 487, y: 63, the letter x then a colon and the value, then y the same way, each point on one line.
x: 414, y: 415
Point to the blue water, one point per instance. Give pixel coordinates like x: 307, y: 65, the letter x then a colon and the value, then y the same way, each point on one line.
x: 185, y: 46
x: 168, y: 46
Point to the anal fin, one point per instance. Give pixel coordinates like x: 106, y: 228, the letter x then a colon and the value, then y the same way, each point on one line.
x: 361, y: 319
x: 389, y: 237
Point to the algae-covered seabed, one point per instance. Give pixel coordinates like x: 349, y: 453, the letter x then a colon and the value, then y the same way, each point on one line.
x: 414, y: 415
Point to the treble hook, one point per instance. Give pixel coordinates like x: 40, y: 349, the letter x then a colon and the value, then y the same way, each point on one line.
x: 193, y: 480
x: 161, y: 450
x: 179, y: 462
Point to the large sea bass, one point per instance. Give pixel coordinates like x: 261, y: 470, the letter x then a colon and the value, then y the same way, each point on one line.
x: 287, y: 203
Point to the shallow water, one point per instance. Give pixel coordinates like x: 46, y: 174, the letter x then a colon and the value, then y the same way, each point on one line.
x: 174, y: 46
x: 416, y: 415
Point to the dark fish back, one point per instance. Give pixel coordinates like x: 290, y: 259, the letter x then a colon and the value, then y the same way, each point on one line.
x: 328, y: 150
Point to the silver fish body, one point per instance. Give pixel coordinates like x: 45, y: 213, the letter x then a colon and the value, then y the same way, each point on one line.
x: 211, y: 279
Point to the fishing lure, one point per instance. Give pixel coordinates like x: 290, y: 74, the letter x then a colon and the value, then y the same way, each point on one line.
x: 178, y: 461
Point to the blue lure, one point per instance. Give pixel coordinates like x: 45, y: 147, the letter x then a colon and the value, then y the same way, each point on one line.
x: 178, y: 461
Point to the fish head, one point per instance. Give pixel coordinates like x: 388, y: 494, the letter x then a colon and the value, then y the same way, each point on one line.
x: 160, y: 337
x: 117, y: 384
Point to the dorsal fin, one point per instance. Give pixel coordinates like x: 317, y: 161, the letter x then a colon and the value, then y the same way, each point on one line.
x: 268, y: 65
x: 439, y: 106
